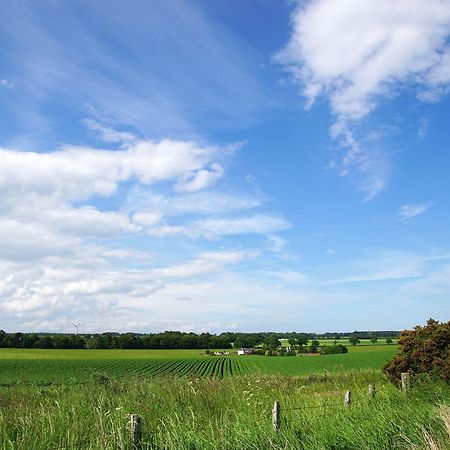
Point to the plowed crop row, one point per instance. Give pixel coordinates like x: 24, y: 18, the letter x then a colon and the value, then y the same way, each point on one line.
x: 41, y: 372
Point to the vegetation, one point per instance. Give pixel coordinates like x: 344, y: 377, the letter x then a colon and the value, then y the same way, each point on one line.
x: 173, y: 340
x: 233, y: 413
x: 74, y: 398
x: 22, y: 366
x: 354, y: 340
x: 333, y: 350
x: 423, y: 350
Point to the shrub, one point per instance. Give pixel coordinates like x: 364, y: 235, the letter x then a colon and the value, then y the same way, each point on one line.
x: 423, y: 350
x: 333, y: 349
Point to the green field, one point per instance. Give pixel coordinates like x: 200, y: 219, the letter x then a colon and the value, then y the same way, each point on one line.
x: 82, y: 399
x: 18, y: 366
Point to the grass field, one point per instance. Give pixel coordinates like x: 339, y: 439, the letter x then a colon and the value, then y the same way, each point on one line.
x: 226, y: 414
x: 82, y: 399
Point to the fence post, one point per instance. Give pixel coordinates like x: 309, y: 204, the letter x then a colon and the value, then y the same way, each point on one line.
x: 372, y: 390
x: 136, y: 430
x: 276, y: 415
x: 406, y: 381
x: 347, y: 398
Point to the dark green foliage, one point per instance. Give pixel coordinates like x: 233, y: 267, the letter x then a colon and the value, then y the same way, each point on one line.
x: 354, y: 340
x: 314, y: 347
x: 423, y: 350
x: 333, y: 349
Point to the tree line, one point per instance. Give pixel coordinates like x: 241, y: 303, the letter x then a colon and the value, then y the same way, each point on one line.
x: 165, y: 340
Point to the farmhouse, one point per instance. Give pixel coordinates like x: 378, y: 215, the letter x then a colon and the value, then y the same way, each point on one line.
x: 245, y: 351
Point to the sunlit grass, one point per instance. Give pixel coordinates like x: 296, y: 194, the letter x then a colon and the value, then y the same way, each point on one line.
x: 232, y: 413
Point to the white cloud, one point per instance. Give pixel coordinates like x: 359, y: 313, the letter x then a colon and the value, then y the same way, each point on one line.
x: 216, y: 227
x: 200, y: 180
x: 147, y: 219
x: 202, y: 202
x: 356, y: 52
x: 77, y: 173
x: 258, y: 223
x: 206, y: 263
x: 108, y: 134
x: 330, y: 251
x: 69, y: 220
x: 407, y: 212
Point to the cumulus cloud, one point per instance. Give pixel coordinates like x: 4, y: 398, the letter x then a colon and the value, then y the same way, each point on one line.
x: 407, y: 212
x: 355, y: 52
x: 87, y: 232
x: 77, y: 173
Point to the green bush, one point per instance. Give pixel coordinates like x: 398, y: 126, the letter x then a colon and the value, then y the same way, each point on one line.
x: 423, y: 350
x: 333, y: 349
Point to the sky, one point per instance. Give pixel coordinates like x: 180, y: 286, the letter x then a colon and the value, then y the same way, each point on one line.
x: 260, y: 165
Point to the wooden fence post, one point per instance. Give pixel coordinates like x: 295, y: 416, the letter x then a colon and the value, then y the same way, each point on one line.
x: 136, y: 430
x: 276, y: 415
x: 372, y: 390
x: 347, y: 398
x: 406, y: 381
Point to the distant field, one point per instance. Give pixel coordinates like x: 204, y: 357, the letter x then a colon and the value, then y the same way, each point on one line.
x: 76, y: 366
x: 381, y: 341
x: 25, y: 353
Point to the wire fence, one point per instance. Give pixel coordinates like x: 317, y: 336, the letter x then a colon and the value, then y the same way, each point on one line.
x: 278, y: 414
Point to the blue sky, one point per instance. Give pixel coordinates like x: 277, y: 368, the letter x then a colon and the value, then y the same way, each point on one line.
x: 215, y: 166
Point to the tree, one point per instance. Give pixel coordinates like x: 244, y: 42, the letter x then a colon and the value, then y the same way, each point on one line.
x: 272, y: 342
x: 374, y: 340
x: 422, y: 350
x: 354, y: 340
x: 314, y: 347
x: 388, y: 341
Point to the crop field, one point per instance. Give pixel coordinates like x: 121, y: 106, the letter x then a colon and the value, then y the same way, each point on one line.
x: 82, y: 399
x: 22, y: 366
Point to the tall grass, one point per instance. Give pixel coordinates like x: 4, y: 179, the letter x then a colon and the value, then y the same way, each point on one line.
x: 230, y: 413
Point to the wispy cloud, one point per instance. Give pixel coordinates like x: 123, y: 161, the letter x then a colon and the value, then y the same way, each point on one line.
x: 356, y: 52
x: 175, y: 71
x: 108, y: 134
x: 407, y: 212
x: 6, y: 83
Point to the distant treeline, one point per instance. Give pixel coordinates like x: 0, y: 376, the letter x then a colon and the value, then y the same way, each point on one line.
x: 166, y: 340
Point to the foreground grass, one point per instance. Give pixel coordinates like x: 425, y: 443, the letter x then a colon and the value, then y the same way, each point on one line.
x: 233, y: 413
